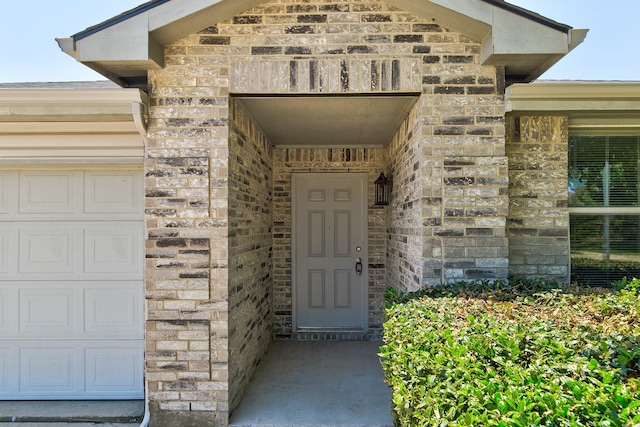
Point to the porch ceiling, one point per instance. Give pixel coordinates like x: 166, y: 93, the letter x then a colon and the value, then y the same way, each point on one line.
x: 329, y: 121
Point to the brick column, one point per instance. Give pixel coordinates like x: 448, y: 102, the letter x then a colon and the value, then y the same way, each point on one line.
x: 538, y: 225
x: 463, y: 170
x: 186, y: 271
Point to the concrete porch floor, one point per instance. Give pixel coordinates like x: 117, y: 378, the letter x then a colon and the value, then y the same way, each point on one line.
x: 317, y: 383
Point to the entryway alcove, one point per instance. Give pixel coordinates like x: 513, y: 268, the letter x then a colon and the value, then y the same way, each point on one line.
x: 325, y: 139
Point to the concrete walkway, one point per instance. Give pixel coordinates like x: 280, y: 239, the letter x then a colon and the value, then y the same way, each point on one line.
x: 318, y: 383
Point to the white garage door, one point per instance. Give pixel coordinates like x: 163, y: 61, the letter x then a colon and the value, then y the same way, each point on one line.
x: 71, y: 289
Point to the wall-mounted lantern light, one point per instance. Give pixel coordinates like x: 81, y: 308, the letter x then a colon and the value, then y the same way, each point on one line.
x: 382, y: 190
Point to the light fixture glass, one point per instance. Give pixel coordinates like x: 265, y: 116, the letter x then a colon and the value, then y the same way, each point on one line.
x: 382, y: 190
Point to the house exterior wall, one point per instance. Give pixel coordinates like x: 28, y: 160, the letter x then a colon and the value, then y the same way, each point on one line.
x: 186, y: 277
x: 405, y: 225
x: 446, y: 221
x: 250, y: 249
x: 538, y: 225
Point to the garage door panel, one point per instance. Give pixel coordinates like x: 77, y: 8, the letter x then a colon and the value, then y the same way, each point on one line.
x: 6, y: 383
x: 113, y: 249
x: 4, y: 251
x: 73, y: 251
x: 113, y: 369
x: 8, y: 199
x: 112, y: 192
x: 114, y: 310
x: 48, y: 312
x: 5, y: 238
x: 4, y: 197
x: 49, y: 368
x: 4, y: 312
x: 8, y: 255
x: 46, y: 248
x: 8, y: 312
x: 109, y: 369
x: 48, y: 192
x: 84, y: 310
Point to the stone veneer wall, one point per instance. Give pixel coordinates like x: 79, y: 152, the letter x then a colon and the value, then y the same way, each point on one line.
x: 186, y: 277
x: 471, y: 239
x: 464, y: 172
x: 538, y: 226
x: 186, y: 272
x: 450, y: 190
x: 352, y: 160
x: 250, y: 249
x: 404, y: 227
x: 310, y: 47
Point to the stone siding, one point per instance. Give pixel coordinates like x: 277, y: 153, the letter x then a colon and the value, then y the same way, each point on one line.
x: 538, y: 226
x: 405, y: 231
x: 447, y: 217
x: 186, y: 277
x: 464, y: 172
x: 250, y: 249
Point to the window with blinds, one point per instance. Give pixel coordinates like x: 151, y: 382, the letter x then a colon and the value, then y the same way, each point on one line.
x: 604, y: 208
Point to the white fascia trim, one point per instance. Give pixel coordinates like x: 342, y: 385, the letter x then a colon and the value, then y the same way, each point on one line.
x: 35, y: 105
x: 75, y: 127
x: 68, y: 46
x: 578, y: 96
x: 72, y: 96
x: 576, y: 37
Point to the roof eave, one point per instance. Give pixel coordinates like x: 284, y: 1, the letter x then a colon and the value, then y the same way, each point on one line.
x: 125, y: 48
x: 563, y: 96
x: 585, y: 103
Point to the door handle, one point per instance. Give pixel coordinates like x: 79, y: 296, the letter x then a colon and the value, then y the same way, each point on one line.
x: 358, y: 266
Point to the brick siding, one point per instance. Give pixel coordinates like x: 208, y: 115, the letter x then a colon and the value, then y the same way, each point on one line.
x: 218, y: 286
x: 250, y: 249
x: 538, y: 226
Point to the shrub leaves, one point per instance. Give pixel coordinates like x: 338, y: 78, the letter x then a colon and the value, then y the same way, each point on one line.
x: 527, y: 353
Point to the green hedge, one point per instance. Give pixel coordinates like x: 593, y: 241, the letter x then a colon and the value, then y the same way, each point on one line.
x: 526, y: 354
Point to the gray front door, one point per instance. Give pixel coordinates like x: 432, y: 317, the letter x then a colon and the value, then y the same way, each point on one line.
x: 330, y: 251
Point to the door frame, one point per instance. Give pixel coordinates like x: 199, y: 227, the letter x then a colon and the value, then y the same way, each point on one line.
x: 364, y: 176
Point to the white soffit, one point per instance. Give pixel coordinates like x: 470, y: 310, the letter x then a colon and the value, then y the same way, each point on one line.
x: 329, y: 121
